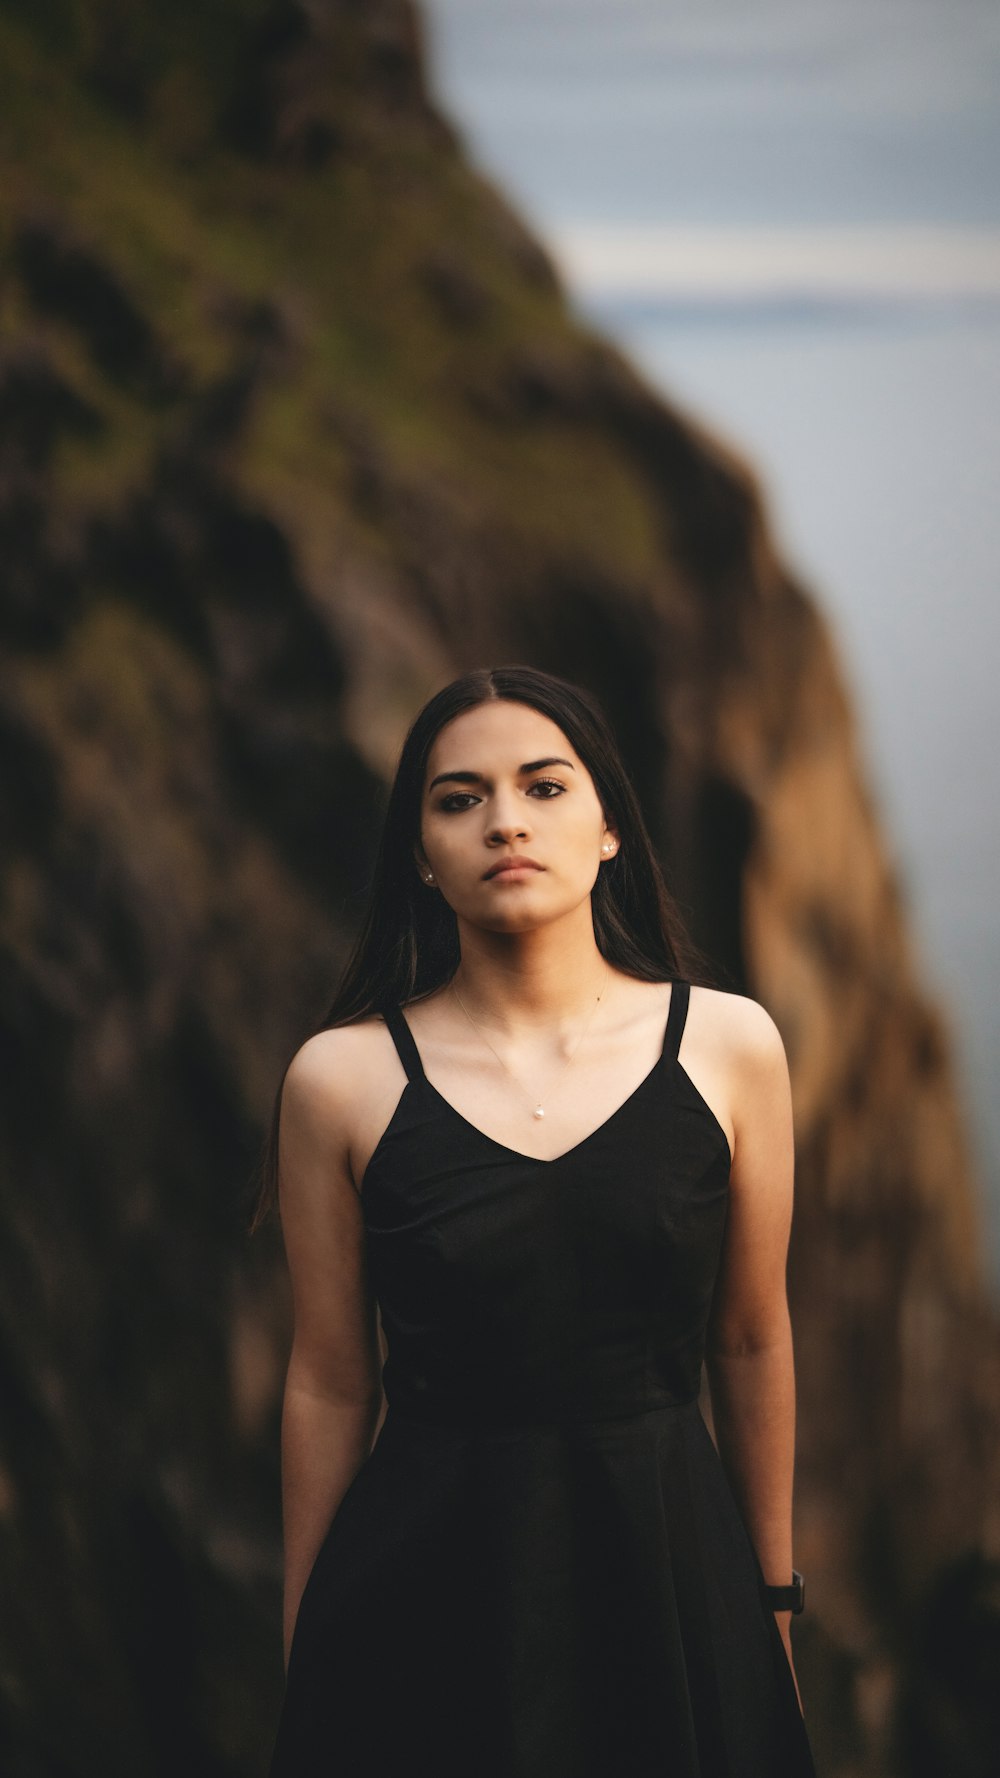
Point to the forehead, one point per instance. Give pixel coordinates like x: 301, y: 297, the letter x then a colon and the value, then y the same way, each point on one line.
x: 499, y: 736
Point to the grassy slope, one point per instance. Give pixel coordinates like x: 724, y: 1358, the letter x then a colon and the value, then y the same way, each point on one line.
x: 190, y: 231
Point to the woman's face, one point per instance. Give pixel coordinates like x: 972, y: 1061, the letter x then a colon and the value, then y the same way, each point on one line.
x: 502, y: 781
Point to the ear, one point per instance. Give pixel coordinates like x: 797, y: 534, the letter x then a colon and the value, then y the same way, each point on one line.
x: 610, y: 838
x: 423, y: 868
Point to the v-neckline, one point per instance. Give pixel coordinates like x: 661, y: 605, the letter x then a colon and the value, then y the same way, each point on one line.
x: 675, y: 1067
x: 667, y: 1060
x: 538, y: 1160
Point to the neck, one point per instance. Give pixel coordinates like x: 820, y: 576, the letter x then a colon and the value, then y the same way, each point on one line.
x: 516, y: 981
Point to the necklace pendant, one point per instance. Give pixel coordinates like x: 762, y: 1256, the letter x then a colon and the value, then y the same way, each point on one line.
x: 539, y: 1111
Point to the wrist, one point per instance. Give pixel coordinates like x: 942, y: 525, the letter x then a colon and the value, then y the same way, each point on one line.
x: 787, y: 1597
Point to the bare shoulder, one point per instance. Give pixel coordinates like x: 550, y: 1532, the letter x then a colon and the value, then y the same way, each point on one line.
x: 324, y: 1071
x: 329, y: 1076
x: 733, y: 1050
x: 740, y: 1052
x: 339, y: 1092
x: 741, y: 1028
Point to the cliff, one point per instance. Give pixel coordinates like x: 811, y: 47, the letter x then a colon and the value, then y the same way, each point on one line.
x: 295, y: 423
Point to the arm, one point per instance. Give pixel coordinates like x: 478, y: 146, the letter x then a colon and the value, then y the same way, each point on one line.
x: 333, y: 1390
x: 749, y: 1349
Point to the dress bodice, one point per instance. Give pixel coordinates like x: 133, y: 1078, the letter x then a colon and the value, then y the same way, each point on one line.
x: 518, y: 1289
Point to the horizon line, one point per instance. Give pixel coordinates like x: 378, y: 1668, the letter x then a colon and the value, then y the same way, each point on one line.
x: 649, y: 260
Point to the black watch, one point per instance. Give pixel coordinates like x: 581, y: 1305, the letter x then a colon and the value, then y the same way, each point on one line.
x: 791, y: 1598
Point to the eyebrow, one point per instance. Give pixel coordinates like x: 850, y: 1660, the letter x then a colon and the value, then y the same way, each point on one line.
x: 534, y: 765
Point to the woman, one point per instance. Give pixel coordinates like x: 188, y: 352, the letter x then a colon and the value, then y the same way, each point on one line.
x: 560, y: 1175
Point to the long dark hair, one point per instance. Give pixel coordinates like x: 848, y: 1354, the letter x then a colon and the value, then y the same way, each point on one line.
x: 408, y: 942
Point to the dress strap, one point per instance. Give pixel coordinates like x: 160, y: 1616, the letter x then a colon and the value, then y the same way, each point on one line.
x: 680, y: 994
x: 402, y: 1037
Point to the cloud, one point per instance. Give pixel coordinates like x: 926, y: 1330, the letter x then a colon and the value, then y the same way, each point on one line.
x: 648, y: 263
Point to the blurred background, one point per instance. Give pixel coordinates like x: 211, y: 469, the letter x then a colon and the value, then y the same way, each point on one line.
x: 789, y: 215
x: 343, y: 347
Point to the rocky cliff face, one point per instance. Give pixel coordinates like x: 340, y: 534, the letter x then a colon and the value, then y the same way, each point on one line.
x: 294, y: 424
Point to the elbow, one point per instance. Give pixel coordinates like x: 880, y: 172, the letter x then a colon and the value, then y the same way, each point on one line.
x: 337, y: 1386
x: 745, y: 1340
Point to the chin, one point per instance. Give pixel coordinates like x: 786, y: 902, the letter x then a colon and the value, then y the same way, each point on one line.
x: 518, y: 920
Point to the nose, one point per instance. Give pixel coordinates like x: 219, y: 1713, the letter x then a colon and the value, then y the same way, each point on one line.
x: 508, y: 820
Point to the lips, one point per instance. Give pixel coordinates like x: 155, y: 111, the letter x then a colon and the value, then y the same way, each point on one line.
x: 512, y: 863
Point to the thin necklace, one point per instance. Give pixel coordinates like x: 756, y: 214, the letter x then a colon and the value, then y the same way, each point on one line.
x: 537, y: 1109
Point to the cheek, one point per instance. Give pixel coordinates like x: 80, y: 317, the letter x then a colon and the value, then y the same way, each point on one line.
x: 443, y: 836
x: 576, y: 850
x: 448, y: 847
x: 584, y: 830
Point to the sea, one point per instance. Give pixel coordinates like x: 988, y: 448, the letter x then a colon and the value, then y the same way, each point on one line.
x: 787, y: 213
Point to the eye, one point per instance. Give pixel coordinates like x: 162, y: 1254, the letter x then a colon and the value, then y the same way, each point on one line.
x: 458, y: 800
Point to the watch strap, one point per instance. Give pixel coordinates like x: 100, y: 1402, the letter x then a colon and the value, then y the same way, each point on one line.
x: 791, y: 1598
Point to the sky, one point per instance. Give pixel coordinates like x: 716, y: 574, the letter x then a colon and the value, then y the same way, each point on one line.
x: 792, y: 112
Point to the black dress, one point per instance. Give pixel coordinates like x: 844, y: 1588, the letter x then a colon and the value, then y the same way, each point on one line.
x: 540, y: 1570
